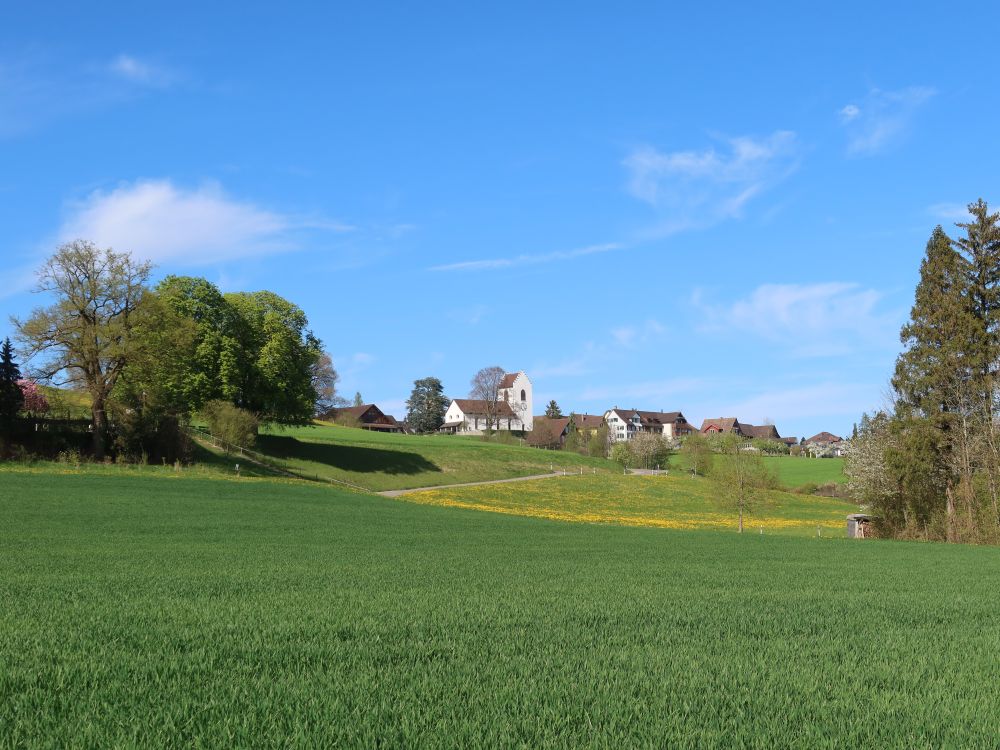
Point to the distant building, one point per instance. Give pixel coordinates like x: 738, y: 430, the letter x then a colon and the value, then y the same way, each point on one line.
x: 624, y: 424
x: 367, y: 417
x: 721, y: 425
x: 760, y: 432
x: 587, y: 424
x: 547, y: 432
x: 512, y: 411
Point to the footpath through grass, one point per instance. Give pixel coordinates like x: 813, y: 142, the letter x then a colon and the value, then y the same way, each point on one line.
x: 151, y: 611
x: 674, y: 502
x: 380, y: 461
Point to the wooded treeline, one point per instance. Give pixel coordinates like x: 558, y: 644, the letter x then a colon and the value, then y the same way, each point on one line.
x: 150, y: 357
x: 929, y: 465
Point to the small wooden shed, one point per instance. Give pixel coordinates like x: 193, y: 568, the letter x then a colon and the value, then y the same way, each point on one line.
x: 859, y: 526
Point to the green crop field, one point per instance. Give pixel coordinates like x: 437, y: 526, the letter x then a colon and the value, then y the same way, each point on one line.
x: 380, y: 461
x: 675, y: 502
x: 150, y: 609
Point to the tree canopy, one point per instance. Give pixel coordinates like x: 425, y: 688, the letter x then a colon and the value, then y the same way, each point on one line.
x: 426, y: 406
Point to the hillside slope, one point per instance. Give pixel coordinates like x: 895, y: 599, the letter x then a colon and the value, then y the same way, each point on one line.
x: 380, y: 461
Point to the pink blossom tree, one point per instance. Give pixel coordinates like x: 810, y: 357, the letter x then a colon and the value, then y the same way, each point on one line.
x: 34, y: 399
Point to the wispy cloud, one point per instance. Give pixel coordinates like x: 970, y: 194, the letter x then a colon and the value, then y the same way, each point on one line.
x: 138, y: 71
x: 528, y: 260
x: 630, y: 336
x: 36, y: 88
x: 949, y: 211
x: 808, y: 320
x: 883, y: 117
x: 691, y: 189
x: 160, y: 221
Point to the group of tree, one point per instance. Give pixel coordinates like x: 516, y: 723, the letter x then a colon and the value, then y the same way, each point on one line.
x: 150, y: 357
x: 929, y: 465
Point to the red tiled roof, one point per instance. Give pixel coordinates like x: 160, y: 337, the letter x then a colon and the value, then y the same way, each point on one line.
x: 508, y: 380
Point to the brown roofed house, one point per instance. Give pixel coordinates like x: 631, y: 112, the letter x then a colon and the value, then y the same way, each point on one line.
x: 824, y: 438
x: 548, y: 433
x: 721, y: 425
x: 760, y: 432
x: 366, y: 416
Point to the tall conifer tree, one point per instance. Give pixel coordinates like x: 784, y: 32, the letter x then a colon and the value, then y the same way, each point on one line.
x: 935, y: 366
x: 981, y: 249
x: 11, y: 396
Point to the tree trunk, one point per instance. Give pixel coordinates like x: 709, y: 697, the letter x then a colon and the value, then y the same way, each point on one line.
x: 950, y: 512
x: 741, y: 518
x: 100, y: 427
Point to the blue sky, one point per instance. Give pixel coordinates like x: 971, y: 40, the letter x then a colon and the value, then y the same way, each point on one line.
x: 720, y: 211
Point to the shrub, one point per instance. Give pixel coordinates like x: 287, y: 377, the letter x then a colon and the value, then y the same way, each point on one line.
x: 236, y: 426
x: 621, y: 453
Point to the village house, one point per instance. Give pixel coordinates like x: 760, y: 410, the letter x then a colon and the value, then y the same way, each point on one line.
x: 724, y: 425
x: 366, y: 416
x: 721, y: 425
x: 548, y: 432
x: 587, y: 424
x: 624, y: 424
x: 826, y: 445
x: 510, y: 412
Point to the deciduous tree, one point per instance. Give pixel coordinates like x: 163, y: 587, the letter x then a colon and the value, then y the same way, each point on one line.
x: 89, y: 334
x: 740, y: 475
x: 486, y: 388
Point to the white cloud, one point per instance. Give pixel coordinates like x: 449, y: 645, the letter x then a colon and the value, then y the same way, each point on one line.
x: 811, y: 320
x: 949, y: 211
x: 849, y: 112
x: 527, y: 260
x: 134, y: 70
x: 882, y: 119
x: 691, y: 189
x: 161, y: 222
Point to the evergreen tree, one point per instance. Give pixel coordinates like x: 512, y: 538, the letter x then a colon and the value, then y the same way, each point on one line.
x: 980, y: 247
x: 552, y: 411
x: 426, y: 405
x: 358, y: 401
x: 935, y: 366
x: 11, y: 396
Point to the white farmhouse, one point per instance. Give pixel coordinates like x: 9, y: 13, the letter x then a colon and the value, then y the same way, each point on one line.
x: 512, y: 410
x: 624, y: 424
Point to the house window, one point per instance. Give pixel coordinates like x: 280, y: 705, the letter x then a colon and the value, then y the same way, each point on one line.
x: 524, y: 396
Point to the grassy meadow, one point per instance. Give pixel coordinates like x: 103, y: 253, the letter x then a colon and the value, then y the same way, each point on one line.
x: 384, y: 461
x: 795, y: 471
x: 146, y: 609
x: 673, y: 502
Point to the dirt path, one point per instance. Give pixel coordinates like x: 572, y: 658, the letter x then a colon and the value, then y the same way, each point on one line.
x: 397, y: 493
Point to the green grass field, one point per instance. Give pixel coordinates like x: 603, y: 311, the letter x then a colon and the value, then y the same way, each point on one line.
x: 380, y: 461
x: 675, y: 502
x: 150, y: 610
x: 794, y: 471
